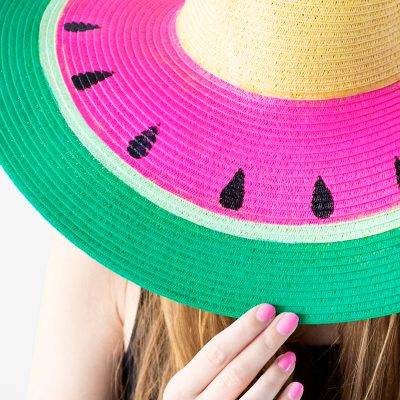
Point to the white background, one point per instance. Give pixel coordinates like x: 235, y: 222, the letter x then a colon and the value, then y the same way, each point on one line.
x: 25, y: 238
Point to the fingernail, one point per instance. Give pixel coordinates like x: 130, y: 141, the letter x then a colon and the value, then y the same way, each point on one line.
x: 287, y: 361
x: 287, y: 323
x: 295, y: 391
x: 265, y: 312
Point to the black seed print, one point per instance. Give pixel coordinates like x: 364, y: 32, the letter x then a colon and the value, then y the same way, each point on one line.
x: 79, y: 27
x: 397, y: 167
x: 232, y: 194
x: 85, y: 80
x: 322, y: 200
x: 141, y: 145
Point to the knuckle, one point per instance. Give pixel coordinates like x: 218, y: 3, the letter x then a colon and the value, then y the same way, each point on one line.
x: 273, y: 379
x: 249, y: 332
x: 269, y: 341
x: 235, y: 376
x: 215, y: 355
x: 247, y: 328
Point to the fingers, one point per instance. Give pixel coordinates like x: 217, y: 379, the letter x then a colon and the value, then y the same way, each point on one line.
x: 273, y: 379
x: 238, y: 374
x: 221, y: 349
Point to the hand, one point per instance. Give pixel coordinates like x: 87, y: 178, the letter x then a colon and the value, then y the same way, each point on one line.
x: 230, y: 361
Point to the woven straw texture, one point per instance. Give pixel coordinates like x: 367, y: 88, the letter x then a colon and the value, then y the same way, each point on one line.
x: 160, y: 218
x: 304, y: 49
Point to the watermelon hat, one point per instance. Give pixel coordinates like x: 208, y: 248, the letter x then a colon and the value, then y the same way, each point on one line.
x: 218, y: 153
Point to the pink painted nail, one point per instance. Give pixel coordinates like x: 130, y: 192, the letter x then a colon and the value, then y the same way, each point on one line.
x: 287, y: 361
x: 287, y: 323
x: 265, y: 312
x: 295, y: 390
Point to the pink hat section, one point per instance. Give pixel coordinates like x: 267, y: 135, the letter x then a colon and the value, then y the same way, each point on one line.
x: 210, y: 129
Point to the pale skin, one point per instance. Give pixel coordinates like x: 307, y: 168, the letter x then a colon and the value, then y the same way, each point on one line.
x: 86, y: 319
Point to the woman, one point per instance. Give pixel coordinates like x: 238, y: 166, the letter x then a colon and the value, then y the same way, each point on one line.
x: 87, y: 317
x: 219, y: 153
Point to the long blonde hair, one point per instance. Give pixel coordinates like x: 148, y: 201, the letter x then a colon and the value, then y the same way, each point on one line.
x: 168, y: 334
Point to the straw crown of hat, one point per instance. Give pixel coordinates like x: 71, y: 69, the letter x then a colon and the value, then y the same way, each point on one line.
x: 299, y: 49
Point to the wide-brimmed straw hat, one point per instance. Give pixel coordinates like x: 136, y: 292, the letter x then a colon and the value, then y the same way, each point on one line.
x: 218, y: 153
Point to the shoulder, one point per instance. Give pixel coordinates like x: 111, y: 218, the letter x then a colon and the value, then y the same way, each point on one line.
x: 82, y: 318
x: 91, y: 282
x: 114, y: 295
